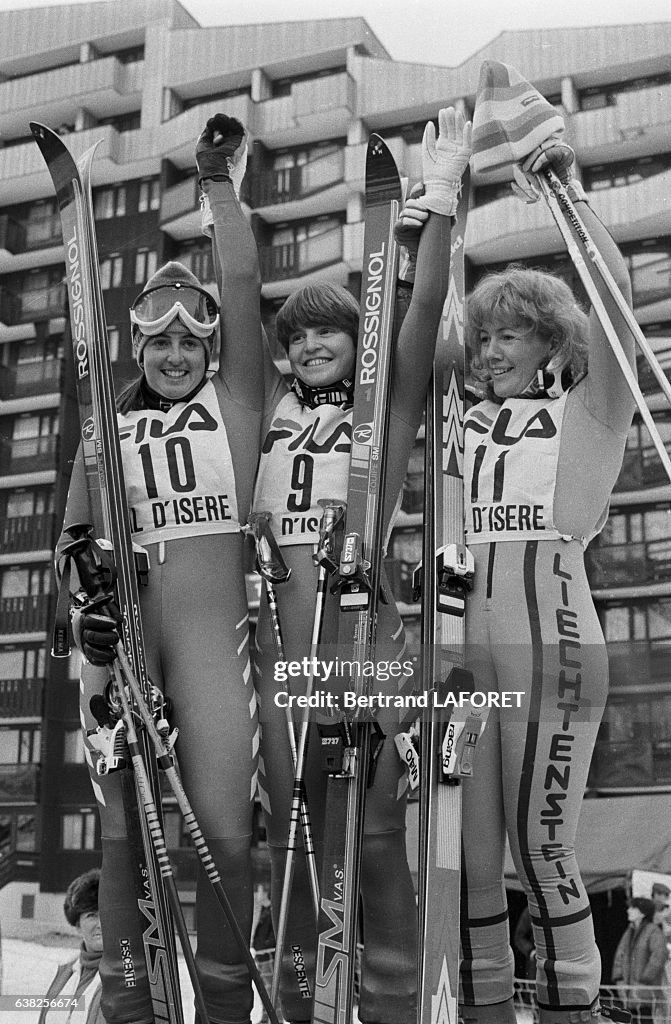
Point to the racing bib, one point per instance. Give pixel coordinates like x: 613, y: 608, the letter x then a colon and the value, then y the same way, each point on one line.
x: 178, y: 470
x: 510, y: 469
x: 305, y: 457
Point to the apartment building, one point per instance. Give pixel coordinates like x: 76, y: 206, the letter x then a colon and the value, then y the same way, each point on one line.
x: 140, y: 77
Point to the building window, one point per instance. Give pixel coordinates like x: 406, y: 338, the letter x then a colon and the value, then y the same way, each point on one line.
x: 606, y: 95
x: 113, y: 336
x: 150, y: 196
x: 26, y: 832
x: 649, y: 265
x: 145, y: 265
x: 21, y: 581
x: 624, y: 172
x: 111, y: 271
x: 73, y: 746
x: 110, y: 202
x: 123, y: 122
x: 22, y: 663
x: 78, y: 831
x: 20, y: 746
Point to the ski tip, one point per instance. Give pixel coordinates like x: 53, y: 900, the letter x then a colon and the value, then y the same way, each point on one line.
x: 383, y: 182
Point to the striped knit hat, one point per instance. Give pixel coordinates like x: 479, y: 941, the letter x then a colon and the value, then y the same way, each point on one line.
x: 511, y: 118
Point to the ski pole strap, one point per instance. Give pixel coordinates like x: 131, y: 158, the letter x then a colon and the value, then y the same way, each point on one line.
x: 97, y: 577
x: 269, y: 561
x: 331, y: 530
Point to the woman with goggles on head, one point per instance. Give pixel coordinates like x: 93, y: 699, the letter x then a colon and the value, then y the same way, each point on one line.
x: 189, y: 429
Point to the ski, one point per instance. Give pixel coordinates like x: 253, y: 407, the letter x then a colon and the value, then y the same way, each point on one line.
x: 349, y: 741
x: 446, y: 747
x: 109, y: 520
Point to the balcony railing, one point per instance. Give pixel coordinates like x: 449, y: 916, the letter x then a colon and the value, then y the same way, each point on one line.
x: 27, y: 533
x: 630, y: 763
x: 629, y: 564
x: 43, y: 232
x: 28, y: 455
x: 21, y: 698
x: 631, y: 662
x: 28, y: 613
x: 180, y: 199
x: 41, y: 303
x: 31, y: 379
x: 12, y: 234
x: 641, y: 468
x: 19, y: 783
x: 295, y: 258
x: 289, y: 183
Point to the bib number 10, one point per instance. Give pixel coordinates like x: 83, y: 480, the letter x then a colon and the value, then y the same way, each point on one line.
x: 179, y: 461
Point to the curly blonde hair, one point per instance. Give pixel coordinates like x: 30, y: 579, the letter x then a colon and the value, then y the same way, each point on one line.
x: 539, y: 303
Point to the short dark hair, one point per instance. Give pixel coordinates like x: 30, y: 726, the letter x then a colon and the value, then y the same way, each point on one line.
x: 646, y: 906
x: 317, y: 305
x: 82, y: 896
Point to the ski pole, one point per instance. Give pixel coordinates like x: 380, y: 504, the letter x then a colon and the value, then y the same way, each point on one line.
x: 158, y: 840
x: 324, y: 557
x: 564, y: 214
x: 273, y: 569
x: 166, y: 763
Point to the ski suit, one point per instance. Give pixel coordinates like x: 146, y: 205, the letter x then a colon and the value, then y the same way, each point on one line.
x: 321, y: 439
x: 538, y: 478
x: 189, y: 476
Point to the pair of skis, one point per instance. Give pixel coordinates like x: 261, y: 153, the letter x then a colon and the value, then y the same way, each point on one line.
x: 349, y: 744
x: 114, y: 580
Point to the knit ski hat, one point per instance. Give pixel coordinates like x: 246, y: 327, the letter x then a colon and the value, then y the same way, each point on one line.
x: 511, y: 118
x: 82, y: 896
x: 170, y: 273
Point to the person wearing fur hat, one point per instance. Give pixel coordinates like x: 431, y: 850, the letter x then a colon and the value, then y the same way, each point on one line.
x: 640, y: 958
x: 189, y: 428
x: 79, y: 980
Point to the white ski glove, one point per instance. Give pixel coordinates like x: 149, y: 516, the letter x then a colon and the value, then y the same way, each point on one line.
x: 444, y: 161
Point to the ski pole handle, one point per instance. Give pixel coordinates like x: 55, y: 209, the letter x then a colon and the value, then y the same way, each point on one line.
x: 269, y: 561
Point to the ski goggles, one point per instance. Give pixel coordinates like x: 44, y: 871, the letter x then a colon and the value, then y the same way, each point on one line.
x: 153, y: 310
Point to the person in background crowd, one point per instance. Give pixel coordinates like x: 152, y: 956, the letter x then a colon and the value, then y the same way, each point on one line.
x: 640, y: 959
x: 79, y: 980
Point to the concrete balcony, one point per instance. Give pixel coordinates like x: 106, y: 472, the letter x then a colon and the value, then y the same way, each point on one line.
x: 310, y: 190
x: 286, y: 267
x: 103, y: 87
x: 312, y: 108
x: 641, y: 470
x: 31, y: 379
x: 24, y: 174
x: 176, y: 138
x: 508, y: 229
x: 293, y: 259
x: 628, y: 565
x: 637, y: 123
x: 180, y: 210
x: 28, y: 455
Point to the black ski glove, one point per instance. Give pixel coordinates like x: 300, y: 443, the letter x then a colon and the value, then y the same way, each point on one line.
x: 221, y: 150
x: 96, y: 634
